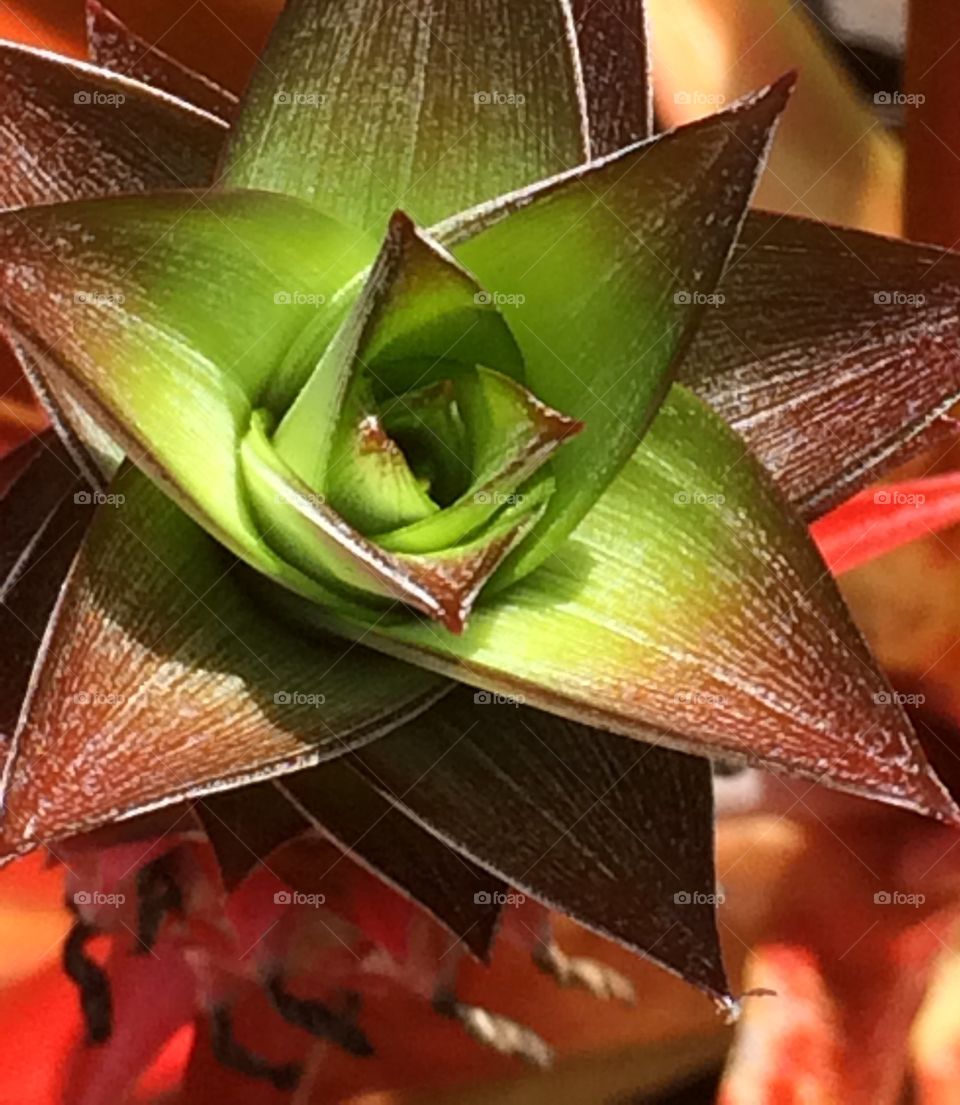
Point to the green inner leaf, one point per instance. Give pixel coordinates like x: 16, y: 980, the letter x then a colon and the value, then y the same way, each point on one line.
x: 427, y: 424
x: 316, y: 540
x: 416, y: 300
x: 143, y: 354
x: 507, y: 437
x: 298, y: 524
x: 370, y: 481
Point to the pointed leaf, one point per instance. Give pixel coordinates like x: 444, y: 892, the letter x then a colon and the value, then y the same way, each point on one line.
x: 42, y: 521
x: 458, y: 893
x: 615, y: 834
x: 480, y: 98
x: 112, y: 45
x: 833, y: 353
x: 611, y: 37
x: 509, y: 437
x: 162, y: 681
x: 260, y: 242
x: 629, y: 251
x: 690, y: 601
x: 885, y: 518
x: 46, y: 480
x: 732, y: 728
x: 746, y: 360
x: 246, y: 826
x: 302, y: 530
x: 71, y: 131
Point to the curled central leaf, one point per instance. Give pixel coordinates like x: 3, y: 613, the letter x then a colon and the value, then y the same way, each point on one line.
x: 413, y: 459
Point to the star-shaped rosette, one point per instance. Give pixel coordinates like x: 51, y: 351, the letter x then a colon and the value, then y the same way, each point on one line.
x: 430, y: 432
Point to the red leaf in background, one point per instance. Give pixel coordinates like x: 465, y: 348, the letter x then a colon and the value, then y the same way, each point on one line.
x: 883, y: 518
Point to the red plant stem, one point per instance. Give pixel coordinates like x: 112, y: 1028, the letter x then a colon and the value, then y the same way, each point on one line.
x: 933, y: 123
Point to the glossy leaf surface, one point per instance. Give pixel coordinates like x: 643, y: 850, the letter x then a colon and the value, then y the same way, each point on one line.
x: 220, y: 340
x: 366, y: 514
x: 833, y: 354
x: 154, y: 386
x: 72, y: 131
x: 741, y: 362
x: 612, y: 42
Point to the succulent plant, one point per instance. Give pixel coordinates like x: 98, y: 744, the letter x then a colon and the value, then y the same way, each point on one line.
x: 434, y: 449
